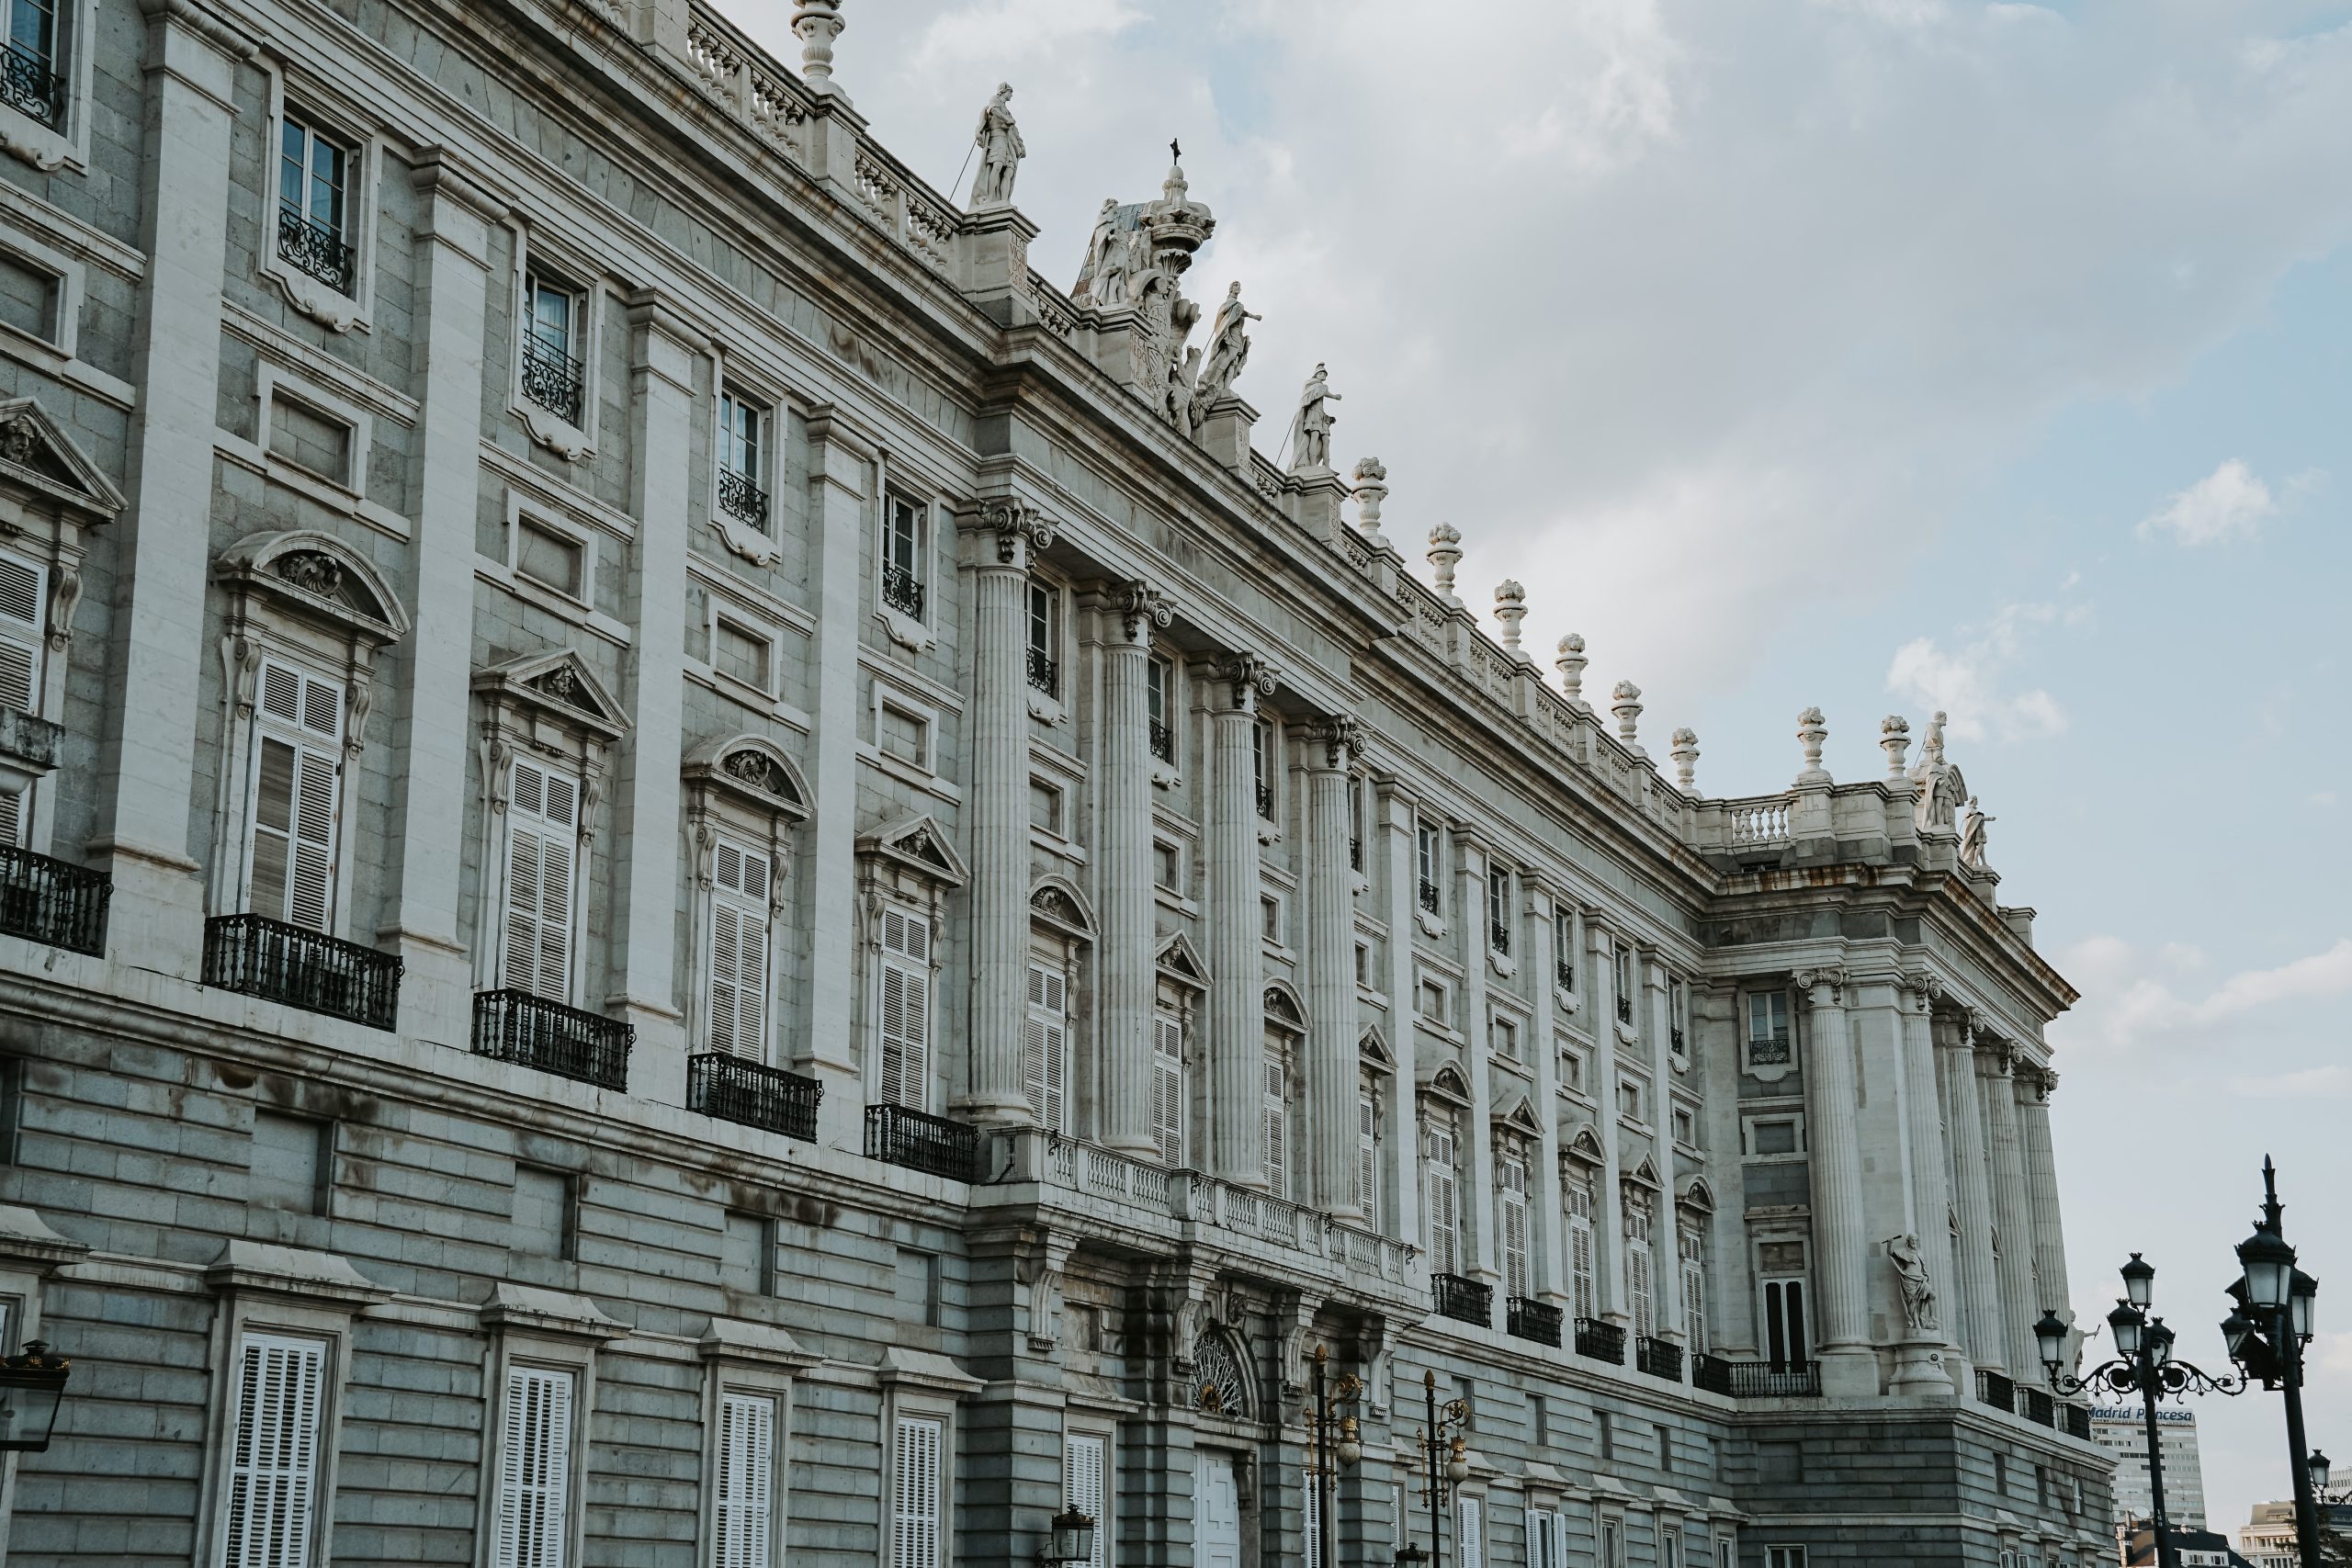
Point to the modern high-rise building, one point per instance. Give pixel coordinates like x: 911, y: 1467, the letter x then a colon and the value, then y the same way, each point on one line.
x: 697, y: 873
x: 2123, y: 1433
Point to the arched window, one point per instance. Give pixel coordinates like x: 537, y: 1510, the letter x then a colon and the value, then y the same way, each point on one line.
x: 744, y: 800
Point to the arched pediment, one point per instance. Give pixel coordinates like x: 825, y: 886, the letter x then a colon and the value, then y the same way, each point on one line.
x: 35, y: 454
x: 1179, y: 962
x: 754, y: 771
x: 1445, y: 1082
x: 1520, y: 1119
x: 1584, y: 1146
x: 918, y: 844
x: 1284, y: 1008
x: 316, y: 575
x: 559, y: 685
x: 1697, y: 1196
x: 1056, y: 901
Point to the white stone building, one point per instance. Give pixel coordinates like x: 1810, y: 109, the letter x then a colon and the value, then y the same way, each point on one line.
x: 697, y: 875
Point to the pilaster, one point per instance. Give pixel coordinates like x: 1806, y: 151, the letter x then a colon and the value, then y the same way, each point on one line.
x: 2012, y: 1211
x: 1848, y: 1366
x: 1122, y: 860
x: 1390, y: 848
x: 1608, y: 1227
x: 1549, y: 1210
x: 2035, y: 1085
x: 1331, y: 1069
x: 1483, y: 1251
x: 1666, y: 1232
x: 1928, y: 1162
x: 1237, y: 1006
x: 1985, y: 1338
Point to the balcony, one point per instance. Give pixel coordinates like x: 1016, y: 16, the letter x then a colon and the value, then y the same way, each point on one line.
x: 896, y: 1135
x: 1996, y: 1391
x: 1770, y: 1379
x: 2039, y: 1408
x: 1658, y: 1358
x: 1164, y: 743
x: 1564, y: 974
x: 1711, y: 1373
x: 314, y: 248
x: 1355, y: 852
x: 1266, y: 802
x: 27, y: 83
x: 1600, y: 1341
x: 1498, y: 936
x: 52, y: 903
x: 1465, y: 1300
x: 515, y: 1026
x: 746, y: 502
x: 1532, y: 1320
x: 1625, y: 1008
x: 28, y: 745
x: 2076, y: 1422
x: 1044, y: 675
x: 1427, y: 892
x: 902, y: 591
x: 733, y: 1089
x: 256, y: 957
x: 553, y: 379
x: 1768, y: 1050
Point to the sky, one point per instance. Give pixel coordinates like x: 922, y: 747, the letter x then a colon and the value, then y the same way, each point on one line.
x: 1881, y: 355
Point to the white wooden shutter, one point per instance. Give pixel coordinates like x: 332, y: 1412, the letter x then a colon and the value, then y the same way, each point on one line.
x: 738, y: 951
x: 22, y: 598
x: 1044, y: 1046
x: 1085, y: 1469
x: 1514, y: 1218
x: 1168, y: 1087
x: 914, y: 1506
x: 1277, y: 1112
x: 906, y: 1008
x: 533, y: 1469
x: 297, y: 767
x: 1368, y: 1157
x: 1638, y: 1287
x: 274, y: 1454
x: 1694, y: 1292
x: 1445, y: 1237
x: 1588, y: 1304
x: 542, y: 848
x: 1470, y: 1550
x: 745, y: 1533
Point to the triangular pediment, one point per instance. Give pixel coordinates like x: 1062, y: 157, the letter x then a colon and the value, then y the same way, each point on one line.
x: 1373, y: 1051
x: 1520, y: 1119
x: 560, y: 684
x: 1645, y: 1174
x: 36, y: 452
x: 920, y: 845
x: 1181, y: 962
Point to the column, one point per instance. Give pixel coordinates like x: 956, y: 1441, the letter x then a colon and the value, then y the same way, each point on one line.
x: 1237, y: 1005
x: 1930, y: 1195
x: 1546, y: 1209
x: 147, y: 749
x: 1608, y: 1207
x: 996, y: 812
x: 1839, y: 1282
x: 1482, y: 1250
x: 1666, y: 1225
x: 1123, y: 873
x: 666, y: 351
x: 1331, y: 1069
x: 1389, y: 854
x: 1979, y: 1309
x: 430, y: 719
x: 2012, y: 1212
x: 2034, y: 1088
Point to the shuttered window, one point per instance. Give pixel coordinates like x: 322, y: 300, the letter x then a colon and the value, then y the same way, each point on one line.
x: 914, y: 1501
x: 1277, y: 1116
x: 1640, y: 1298
x: 744, y: 1533
x: 738, y: 950
x: 906, y: 1008
x: 1086, y: 1465
x: 1583, y: 1283
x: 1513, y: 1176
x: 1368, y: 1157
x: 21, y: 646
x: 1168, y: 1087
x: 1471, y: 1550
x: 1547, y: 1538
x: 273, y: 1453
x: 1695, y: 1291
x: 534, y: 1471
x: 1446, y: 1220
x: 297, y: 774
x: 542, y: 857
x: 1045, y: 1047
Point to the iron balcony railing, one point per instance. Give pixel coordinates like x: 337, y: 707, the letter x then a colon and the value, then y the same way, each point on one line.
x: 1532, y: 1320
x: 1674, y: 1041
x: 740, y: 498
x: 1764, y: 1050
x: 1043, y: 673
x: 309, y: 246
x: 2077, y: 1421
x: 28, y: 83
x: 734, y: 1089
x: 52, y: 903
x: 1600, y: 1341
x: 1625, y: 1010
x: 896, y: 1135
x: 1355, y: 852
x: 1498, y: 936
x: 1465, y: 1300
x: 1164, y: 743
x: 256, y: 957
x: 1658, y: 1358
x: 902, y: 591
x: 1996, y: 1389
x: 553, y: 379
x: 1772, y: 1379
x: 1564, y: 974
x: 1711, y: 1373
x: 1427, y: 892
x: 1266, y: 802
x: 2039, y: 1408
x: 515, y: 1026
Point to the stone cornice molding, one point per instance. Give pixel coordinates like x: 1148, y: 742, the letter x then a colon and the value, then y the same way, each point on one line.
x: 291, y: 1273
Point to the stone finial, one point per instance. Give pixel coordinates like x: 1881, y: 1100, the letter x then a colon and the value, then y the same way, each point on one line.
x: 1628, y: 709
x: 1371, y: 489
x: 1511, y: 608
x: 1812, y: 731
x: 817, y: 23
x: 1570, y: 664
x: 1686, y: 759
x: 1895, y: 740
x: 1446, y: 554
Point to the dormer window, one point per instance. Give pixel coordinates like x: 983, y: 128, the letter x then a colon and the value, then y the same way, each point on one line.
x: 313, y: 194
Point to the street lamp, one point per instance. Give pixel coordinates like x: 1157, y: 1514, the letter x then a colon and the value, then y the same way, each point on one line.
x: 2267, y: 1332
x: 1072, y: 1539
x: 1328, y: 1394
x: 2319, y: 1468
x: 1444, y: 1437
x: 30, y: 1387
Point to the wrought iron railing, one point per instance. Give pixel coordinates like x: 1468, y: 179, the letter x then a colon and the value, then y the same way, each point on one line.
x: 2039, y: 1408
x: 1164, y: 743
x: 1764, y: 1050
x: 1427, y: 893
x: 898, y: 1134
x: 30, y: 82
x: 734, y: 1089
x: 1355, y: 852
x: 54, y: 903
x: 1674, y: 1041
x: 1043, y: 673
x: 1711, y: 1372
x: 1600, y: 1341
x: 2077, y: 1421
x: 1266, y: 802
x: 1994, y: 1389
x: 1465, y: 1300
x: 258, y: 956
x: 740, y: 497
x: 310, y: 246
x: 1625, y: 1010
x: 902, y: 591
x: 1498, y: 935
x: 1772, y: 1379
x: 1564, y: 974
x: 553, y: 379
x: 515, y: 1026
x: 1658, y: 1358
x: 1532, y: 1320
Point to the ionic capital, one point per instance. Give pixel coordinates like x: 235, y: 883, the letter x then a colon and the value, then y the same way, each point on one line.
x: 1140, y: 606
x: 1809, y: 981
x: 1338, y: 736
x: 1249, y: 678
x: 1020, y: 528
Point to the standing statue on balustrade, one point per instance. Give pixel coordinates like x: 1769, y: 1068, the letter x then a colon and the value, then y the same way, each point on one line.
x: 1228, y: 348
x: 1310, y: 429
x: 1002, y: 150
x: 1110, y: 258
x: 1972, y: 836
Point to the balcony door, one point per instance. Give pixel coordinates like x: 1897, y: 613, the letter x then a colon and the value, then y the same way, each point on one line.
x: 1787, y: 1345
x: 1216, y: 1517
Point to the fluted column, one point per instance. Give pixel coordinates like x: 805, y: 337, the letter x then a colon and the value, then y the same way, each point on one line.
x: 1838, y: 1244
x: 1985, y: 1338
x: 1331, y: 1070
x: 996, y: 813
x: 2012, y: 1212
x: 2034, y: 1088
x: 1237, y: 1005
x: 1124, y: 871
x: 1930, y: 1193
x: 1608, y: 1227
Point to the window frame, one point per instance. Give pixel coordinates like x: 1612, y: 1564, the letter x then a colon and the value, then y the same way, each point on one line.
x: 67, y: 143
x: 1429, y: 870
x: 1442, y: 1169
x: 267, y: 730
x: 900, y: 505
x: 521, y: 515
x: 924, y: 966
x: 573, y: 435
x: 1044, y: 629
x: 746, y: 906
x: 1076, y: 1430
x: 501, y: 948
x: 1160, y: 718
x: 734, y: 398
x: 568, y: 1347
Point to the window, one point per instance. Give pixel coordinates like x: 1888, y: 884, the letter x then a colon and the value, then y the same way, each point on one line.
x: 1630, y: 1096
x: 1434, y: 1000
x: 1784, y: 1557
x: 742, y: 655
x: 33, y: 81
x: 1685, y: 1126
x: 1168, y: 866
x: 1425, y: 866
x: 1511, y: 1177
x: 1159, y: 697
x: 1470, y: 1548
x: 1639, y: 1297
x: 1776, y: 1135
x: 903, y: 546
x: 1368, y: 1156
x: 1622, y: 977
x: 1583, y: 1285
x: 1045, y: 640
x: 1768, y: 1028
x: 1694, y: 1289
x: 738, y: 950
x: 1355, y: 823
x: 553, y: 375
x: 533, y: 1528
x: 1269, y: 918
x: 1671, y: 1543
x: 1045, y: 1047
x: 312, y: 439
x: 1781, y: 1265
x: 1363, y: 963
x: 1277, y: 1116
x: 915, y: 1492
x: 1046, y: 807
x: 556, y: 560
x: 903, y: 734
x: 313, y: 194
x: 1503, y: 1039
x: 295, y: 798
x: 1168, y: 1087
x: 289, y: 1161
x: 542, y: 841
x: 1613, y: 1540
x: 1262, y: 746
x: 747, y: 1254
x: 1086, y: 1465
x: 1563, y: 950
x: 1677, y: 1014
x: 1665, y: 1462
x: 742, y: 451
x: 905, y: 987
x: 744, y: 1532
x: 1571, y: 1068
x: 1444, y: 1217
x: 1726, y: 1554
x: 543, y: 1213
x: 1498, y: 910
x: 279, y: 1413
x: 1547, y: 1538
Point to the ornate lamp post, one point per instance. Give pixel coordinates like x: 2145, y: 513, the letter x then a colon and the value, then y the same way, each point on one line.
x: 2319, y: 1467
x: 30, y: 1387
x: 1345, y: 1446
x: 2267, y: 1332
x: 1445, y: 1456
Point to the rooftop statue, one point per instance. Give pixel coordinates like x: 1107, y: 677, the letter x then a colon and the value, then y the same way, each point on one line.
x: 1110, y: 257
x: 1310, y: 429
x: 1228, y: 348
x: 1972, y: 836
x: 1002, y: 150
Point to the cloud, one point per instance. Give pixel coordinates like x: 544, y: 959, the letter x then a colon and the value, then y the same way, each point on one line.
x: 2227, y: 502
x: 2129, y: 1001
x: 2311, y: 1083
x: 1969, y: 682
